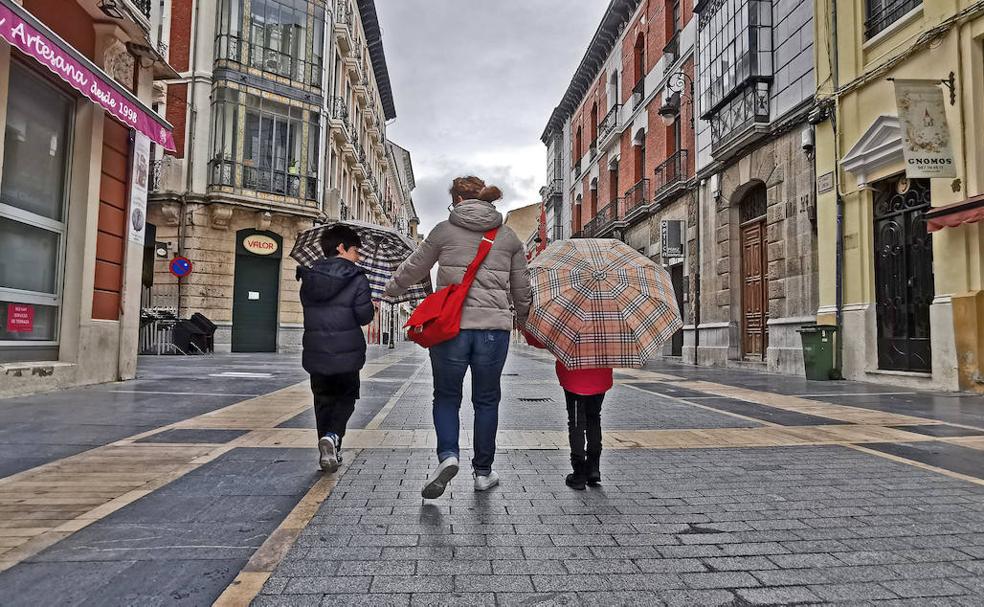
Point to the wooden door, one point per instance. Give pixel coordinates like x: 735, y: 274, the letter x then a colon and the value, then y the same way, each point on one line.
x: 754, y: 290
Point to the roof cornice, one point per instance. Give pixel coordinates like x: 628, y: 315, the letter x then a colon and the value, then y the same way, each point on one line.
x: 604, y: 39
x: 374, y: 40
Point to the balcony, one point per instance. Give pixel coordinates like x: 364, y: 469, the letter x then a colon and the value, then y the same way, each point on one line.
x: 672, y: 49
x: 338, y: 118
x: 637, y: 200
x: 555, y: 189
x: 576, y: 168
x: 353, y: 63
x: 607, y: 219
x: 639, y: 93
x: 609, y: 124
x: 671, y: 176
x: 740, y: 121
x: 342, y: 25
x: 578, y: 234
x: 593, y: 149
x: 142, y: 7
x: 262, y: 178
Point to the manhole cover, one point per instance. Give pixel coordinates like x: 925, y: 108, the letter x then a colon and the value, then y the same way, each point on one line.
x: 536, y: 400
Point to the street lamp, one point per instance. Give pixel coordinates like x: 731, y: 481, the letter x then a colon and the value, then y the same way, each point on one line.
x: 678, y: 83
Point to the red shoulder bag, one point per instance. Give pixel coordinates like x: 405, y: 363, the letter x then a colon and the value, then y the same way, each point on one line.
x: 438, y: 318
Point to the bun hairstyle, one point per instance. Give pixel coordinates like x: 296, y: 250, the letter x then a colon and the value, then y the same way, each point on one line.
x: 473, y: 188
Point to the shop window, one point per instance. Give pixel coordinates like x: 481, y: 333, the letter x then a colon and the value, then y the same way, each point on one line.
x: 33, y: 190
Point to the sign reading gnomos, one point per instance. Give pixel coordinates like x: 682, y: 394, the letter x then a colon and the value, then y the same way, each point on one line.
x: 260, y: 244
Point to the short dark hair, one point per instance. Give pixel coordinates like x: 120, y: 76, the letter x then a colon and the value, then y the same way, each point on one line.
x: 339, y: 235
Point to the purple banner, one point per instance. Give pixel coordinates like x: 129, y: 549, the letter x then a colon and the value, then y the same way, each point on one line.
x: 82, y: 75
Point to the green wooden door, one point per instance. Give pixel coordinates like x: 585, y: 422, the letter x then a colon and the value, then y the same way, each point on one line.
x: 255, y: 297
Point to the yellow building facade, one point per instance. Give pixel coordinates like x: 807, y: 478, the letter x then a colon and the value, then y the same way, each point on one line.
x: 910, y: 301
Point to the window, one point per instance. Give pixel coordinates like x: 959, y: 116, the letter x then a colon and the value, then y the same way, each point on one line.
x: 33, y: 194
x: 880, y: 14
x: 736, y: 38
x: 281, y: 37
x: 278, y: 150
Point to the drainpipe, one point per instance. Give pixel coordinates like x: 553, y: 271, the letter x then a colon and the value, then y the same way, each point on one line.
x: 839, y: 274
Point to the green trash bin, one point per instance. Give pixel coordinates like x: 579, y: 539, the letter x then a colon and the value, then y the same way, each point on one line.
x: 819, y: 343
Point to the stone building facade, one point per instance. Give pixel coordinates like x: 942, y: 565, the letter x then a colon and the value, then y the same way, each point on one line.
x: 281, y: 108
x: 753, y: 228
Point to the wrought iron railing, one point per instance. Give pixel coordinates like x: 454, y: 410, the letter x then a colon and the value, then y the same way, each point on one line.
x: 593, y: 149
x: 246, y: 175
x: 636, y: 198
x: 606, y: 218
x: 156, y: 168
x: 639, y: 92
x: 343, y: 13
x: 672, y: 48
x: 609, y: 123
x: 555, y: 188
x: 339, y: 111
x: 883, y: 13
x: 143, y: 6
x: 578, y: 234
x: 576, y: 167
x: 671, y: 172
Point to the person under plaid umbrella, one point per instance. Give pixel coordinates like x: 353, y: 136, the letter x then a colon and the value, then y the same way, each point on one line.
x: 599, y: 303
x: 383, y: 251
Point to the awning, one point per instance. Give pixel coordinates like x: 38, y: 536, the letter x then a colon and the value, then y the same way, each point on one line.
x: 26, y: 33
x: 953, y: 215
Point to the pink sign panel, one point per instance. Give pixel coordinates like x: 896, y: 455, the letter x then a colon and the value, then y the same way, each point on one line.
x: 81, y: 74
x: 20, y: 318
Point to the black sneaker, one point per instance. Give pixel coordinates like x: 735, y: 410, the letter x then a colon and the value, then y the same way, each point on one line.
x: 575, y: 481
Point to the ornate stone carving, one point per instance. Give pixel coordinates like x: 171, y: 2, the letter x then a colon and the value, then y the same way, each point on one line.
x: 263, y: 221
x: 219, y: 217
x: 119, y: 63
x: 171, y: 213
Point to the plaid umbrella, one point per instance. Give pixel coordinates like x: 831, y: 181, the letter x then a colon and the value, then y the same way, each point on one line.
x: 599, y: 303
x: 382, y: 252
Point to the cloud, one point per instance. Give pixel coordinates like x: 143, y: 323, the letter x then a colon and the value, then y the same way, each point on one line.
x: 474, y: 83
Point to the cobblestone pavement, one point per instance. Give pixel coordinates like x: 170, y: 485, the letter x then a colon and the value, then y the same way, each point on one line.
x: 197, y: 484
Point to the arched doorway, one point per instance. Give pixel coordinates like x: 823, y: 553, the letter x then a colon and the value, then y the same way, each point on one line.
x: 754, y: 273
x: 256, y: 291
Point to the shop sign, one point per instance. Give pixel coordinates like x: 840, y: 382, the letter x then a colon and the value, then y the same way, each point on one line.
x: 27, y: 34
x: 20, y: 318
x: 925, y: 132
x: 138, y: 189
x: 260, y: 245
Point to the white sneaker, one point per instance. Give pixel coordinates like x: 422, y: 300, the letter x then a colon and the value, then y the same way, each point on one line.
x: 328, y: 448
x: 438, y: 481
x: 483, y: 483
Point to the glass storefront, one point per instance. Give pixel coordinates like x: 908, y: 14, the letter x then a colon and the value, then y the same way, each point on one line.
x: 33, y: 193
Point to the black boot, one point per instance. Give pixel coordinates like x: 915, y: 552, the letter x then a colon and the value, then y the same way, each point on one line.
x: 576, y: 480
x: 593, y: 469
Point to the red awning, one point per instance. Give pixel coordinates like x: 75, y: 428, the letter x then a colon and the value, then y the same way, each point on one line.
x: 33, y: 38
x: 953, y: 215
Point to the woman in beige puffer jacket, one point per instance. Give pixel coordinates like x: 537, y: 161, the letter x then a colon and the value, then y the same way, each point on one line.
x: 486, y: 320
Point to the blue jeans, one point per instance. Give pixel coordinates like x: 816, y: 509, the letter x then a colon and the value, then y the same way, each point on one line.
x: 485, y: 352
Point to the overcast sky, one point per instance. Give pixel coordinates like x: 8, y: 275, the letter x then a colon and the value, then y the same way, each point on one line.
x: 474, y: 82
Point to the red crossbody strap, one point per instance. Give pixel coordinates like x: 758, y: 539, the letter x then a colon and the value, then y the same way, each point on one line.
x: 488, y: 239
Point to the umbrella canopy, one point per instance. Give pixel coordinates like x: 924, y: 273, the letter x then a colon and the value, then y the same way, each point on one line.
x: 382, y: 252
x: 599, y: 303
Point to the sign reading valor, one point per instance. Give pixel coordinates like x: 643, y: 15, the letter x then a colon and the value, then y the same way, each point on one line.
x: 260, y: 245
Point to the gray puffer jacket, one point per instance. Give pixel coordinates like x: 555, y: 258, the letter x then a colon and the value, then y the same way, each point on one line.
x: 501, y: 279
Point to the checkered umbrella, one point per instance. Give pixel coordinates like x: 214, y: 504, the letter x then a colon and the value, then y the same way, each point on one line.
x: 382, y: 252
x: 599, y: 303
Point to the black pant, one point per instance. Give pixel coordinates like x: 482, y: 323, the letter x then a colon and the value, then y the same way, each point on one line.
x: 334, y: 401
x: 584, y: 424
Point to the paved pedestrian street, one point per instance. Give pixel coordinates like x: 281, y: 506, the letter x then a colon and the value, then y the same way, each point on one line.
x: 198, y: 483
